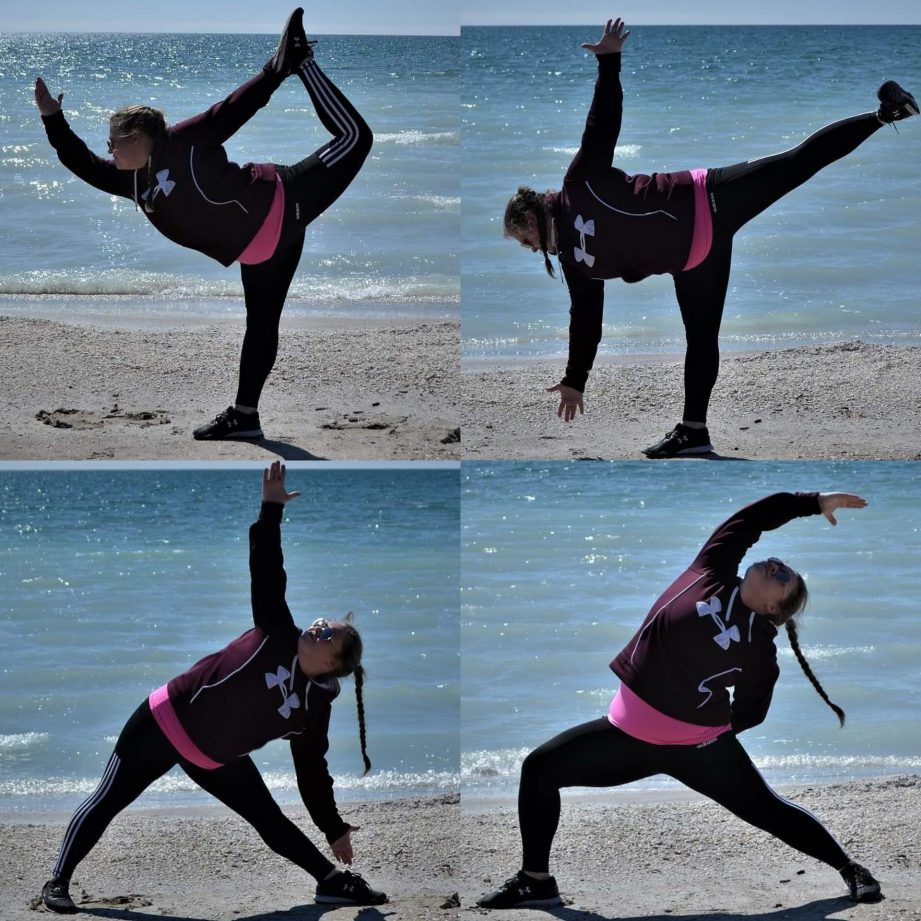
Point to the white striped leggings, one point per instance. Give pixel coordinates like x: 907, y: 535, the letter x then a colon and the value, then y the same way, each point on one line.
x: 597, y: 754
x: 311, y: 186
x: 142, y: 755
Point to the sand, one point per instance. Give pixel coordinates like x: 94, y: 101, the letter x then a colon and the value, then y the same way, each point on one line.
x: 850, y: 400
x: 97, y: 389
x: 618, y: 855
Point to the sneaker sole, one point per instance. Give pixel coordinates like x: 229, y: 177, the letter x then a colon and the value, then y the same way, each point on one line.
x: 337, y: 900
x: 703, y: 449
x: 530, y: 903
x: 252, y: 435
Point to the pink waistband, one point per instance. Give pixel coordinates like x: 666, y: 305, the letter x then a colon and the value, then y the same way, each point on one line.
x: 162, y: 709
x: 635, y: 717
x: 702, y: 238
x: 263, y: 245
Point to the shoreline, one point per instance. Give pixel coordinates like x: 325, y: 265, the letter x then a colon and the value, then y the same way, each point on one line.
x: 672, y: 854
x: 850, y: 400
x: 355, y: 390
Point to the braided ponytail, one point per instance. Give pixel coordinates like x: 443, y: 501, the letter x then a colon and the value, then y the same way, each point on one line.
x: 359, y: 702
x: 524, y: 202
x: 350, y: 664
x: 794, y: 645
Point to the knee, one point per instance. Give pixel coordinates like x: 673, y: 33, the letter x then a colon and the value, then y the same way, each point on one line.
x: 534, y: 768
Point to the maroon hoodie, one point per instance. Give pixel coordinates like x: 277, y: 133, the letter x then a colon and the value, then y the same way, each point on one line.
x: 699, y: 638
x: 612, y: 225
x: 252, y: 691
x: 202, y: 200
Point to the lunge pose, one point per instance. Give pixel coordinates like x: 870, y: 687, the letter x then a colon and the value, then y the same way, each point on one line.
x: 256, y: 214
x: 605, y: 224
x: 275, y: 681
x: 709, y: 631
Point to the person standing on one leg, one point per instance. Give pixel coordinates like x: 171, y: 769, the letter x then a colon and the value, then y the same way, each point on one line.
x: 604, y: 224
x: 182, y: 180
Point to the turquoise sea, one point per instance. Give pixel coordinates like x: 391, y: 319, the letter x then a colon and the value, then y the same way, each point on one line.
x: 114, y: 581
x: 387, y: 248
x: 561, y: 562
x: 836, y: 259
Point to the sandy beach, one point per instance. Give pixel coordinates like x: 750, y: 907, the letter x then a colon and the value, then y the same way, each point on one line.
x: 95, y: 388
x: 619, y: 855
x: 209, y: 865
x: 676, y: 855
x: 850, y: 400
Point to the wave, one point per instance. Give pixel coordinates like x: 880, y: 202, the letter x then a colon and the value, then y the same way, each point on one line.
x: 163, y: 286
x: 393, y: 782
x: 21, y: 742
x: 415, y: 137
x: 624, y: 151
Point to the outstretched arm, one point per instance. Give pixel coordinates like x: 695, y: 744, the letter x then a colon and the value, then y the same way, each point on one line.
x: 585, y: 324
x: 732, y: 539
x: 73, y: 152
x: 268, y: 579
x: 602, y: 126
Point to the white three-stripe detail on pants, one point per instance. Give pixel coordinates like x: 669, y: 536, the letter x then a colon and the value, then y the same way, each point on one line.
x: 86, y: 807
x: 336, y: 111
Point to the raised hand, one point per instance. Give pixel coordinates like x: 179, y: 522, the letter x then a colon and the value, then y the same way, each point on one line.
x: 273, y: 484
x: 46, y: 103
x: 830, y: 502
x: 612, y: 39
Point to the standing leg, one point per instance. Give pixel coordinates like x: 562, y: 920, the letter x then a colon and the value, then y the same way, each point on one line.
x: 743, y: 191
x: 701, y: 294
x: 240, y: 787
x: 142, y: 754
x: 594, y: 754
x: 265, y: 287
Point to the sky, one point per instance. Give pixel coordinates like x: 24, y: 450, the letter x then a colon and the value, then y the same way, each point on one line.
x: 429, y: 17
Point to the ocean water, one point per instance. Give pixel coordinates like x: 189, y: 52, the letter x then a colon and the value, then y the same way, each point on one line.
x: 115, y: 581
x: 561, y: 562
x: 836, y: 259
x: 388, y: 247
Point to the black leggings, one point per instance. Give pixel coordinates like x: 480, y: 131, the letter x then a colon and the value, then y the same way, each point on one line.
x: 597, y: 754
x: 142, y: 755
x: 311, y: 186
x: 737, y: 194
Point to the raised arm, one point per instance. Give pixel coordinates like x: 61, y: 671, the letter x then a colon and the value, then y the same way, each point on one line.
x: 602, y: 126
x: 268, y: 579
x: 227, y: 117
x: 73, y: 152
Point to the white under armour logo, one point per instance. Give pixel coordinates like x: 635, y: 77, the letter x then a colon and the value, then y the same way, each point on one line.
x: 279, y: 680
x: 164, y: 185
x: 585, y: 229
x: 727, y: 634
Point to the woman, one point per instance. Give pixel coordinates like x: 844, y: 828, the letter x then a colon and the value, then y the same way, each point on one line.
x: 605, y: 224
x: 673, y: 713
x: 256, y: 215
x: 274, y: 681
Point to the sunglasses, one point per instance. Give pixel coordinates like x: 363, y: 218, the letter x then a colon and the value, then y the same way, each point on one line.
x: 326, y: 633
x: 781, y: 573
x: 112, y: 143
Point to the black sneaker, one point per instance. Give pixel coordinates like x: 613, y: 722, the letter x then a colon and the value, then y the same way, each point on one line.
x: 348, y: 888
x: 895, y: 103
x: 681, y: 440
x: 861, y: 883
x: 55, y: 895
x: 523, y: 891
x: 229, y: 424
x: 293, y: 47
